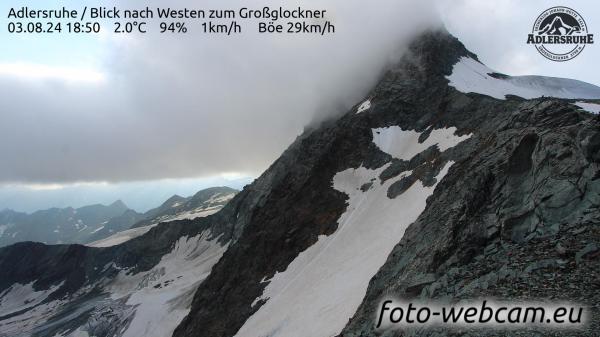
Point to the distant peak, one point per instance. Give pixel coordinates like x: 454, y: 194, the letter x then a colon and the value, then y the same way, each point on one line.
x: 208, y: 192
x: 174, y: 201
x: 119, y: 203
x: 175, y: 198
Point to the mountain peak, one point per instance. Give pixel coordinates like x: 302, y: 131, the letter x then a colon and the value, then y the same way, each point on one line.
x: 119, y: 204
x: 419, y: 75
x: 437, y: 50
x: 175, y: 198
x: 206, y: 193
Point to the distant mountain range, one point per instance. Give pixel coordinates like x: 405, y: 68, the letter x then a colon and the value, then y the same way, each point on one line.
x: 96, y: 222
x: 201, y: 204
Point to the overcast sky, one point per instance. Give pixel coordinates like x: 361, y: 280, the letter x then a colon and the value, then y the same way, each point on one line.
x: 97, y: 118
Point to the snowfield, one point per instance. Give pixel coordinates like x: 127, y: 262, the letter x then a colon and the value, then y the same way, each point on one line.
x: 120, y: 237
x: 126, y: 235
x: 589, y: 107
x: 162, y: 296
x: 150, y: 303
x: 322, y: 288
x: 21, y: 309
x: 469, y: 75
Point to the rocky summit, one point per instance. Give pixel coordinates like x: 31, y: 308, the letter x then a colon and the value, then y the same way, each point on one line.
x: 447, y: 182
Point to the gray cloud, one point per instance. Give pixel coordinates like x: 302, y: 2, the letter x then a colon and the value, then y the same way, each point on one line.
x: 193, y: 105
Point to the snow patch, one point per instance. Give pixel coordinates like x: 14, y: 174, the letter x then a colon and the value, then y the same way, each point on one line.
x: 120, y: 237
x: 128, y: 234
x: 366, y: 105
x: 97, y: 229
x: 219, y: 197
x: 404, y: 144
x: 469, y: 75
x: 589, y: 107
x: 197, y: 213
x: 3, y: 229
x: 324, y: 285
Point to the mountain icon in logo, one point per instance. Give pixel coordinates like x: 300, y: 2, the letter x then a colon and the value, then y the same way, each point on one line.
x: 559, y: 27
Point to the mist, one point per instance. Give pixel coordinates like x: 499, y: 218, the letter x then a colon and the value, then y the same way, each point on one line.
x: 181, y: 106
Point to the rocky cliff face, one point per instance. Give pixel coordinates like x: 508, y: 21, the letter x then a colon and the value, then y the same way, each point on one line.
x: 515, y: 219
x: 438, y: 185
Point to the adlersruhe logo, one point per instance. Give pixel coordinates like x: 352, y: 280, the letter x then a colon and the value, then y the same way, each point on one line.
x: 560, y: 34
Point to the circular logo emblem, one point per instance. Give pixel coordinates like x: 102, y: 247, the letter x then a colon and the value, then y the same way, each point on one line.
x: 560, y: 34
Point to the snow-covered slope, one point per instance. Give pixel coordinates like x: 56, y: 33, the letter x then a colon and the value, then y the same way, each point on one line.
x: 203, y: 203
x: 162, y: 296
x: 321, y: 289
x: 177, y: 208
x: 119, y: 297
x: 149, y: 303
x: 131, y: 233
x: 469, y: 75
x: 121, y: 237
